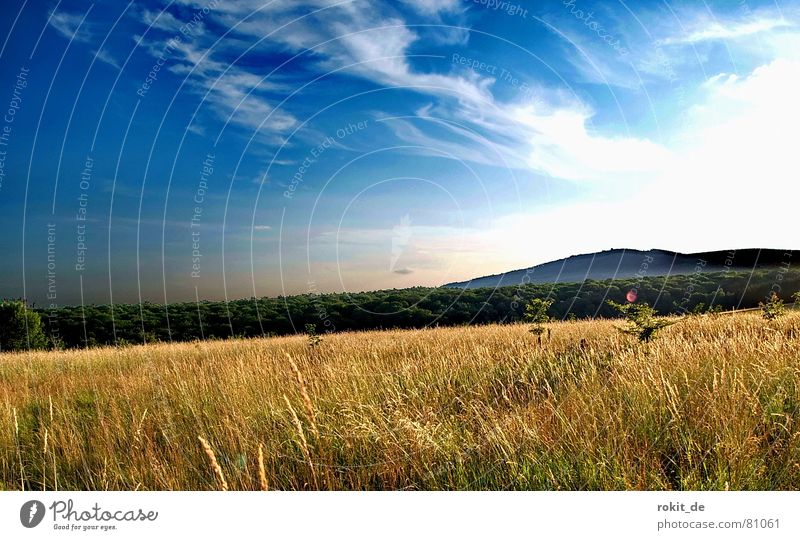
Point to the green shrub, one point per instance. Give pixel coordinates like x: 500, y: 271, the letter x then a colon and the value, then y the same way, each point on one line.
x: 20, y: 328
x: 314, y: 339
x: 642, y: 320
x: 536, y: 314
x: 773, y: 308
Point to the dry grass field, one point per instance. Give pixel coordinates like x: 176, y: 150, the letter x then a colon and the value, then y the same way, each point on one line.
x: 714, y: 404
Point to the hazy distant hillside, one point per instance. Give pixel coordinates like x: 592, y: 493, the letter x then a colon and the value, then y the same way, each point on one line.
x: 633, y: 263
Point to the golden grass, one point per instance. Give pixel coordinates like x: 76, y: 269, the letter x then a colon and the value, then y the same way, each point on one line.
x: 262, y: 472
x: 212, y: 459
x: 714, y: 403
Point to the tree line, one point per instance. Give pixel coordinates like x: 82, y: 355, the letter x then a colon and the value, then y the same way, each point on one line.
x: 418, y: 307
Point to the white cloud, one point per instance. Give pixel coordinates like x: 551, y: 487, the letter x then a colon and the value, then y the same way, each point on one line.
x: 433, y: 7
x: 564, y: 148
x: 355, y: 37
x: 74, y: 27
x: 260, y: 178
x: 196, y: 128
x: 553, y: 134
x: 69, y: 26
x: 723, y: 182
x: 231, y: 92
x: 562, y: 151
x: 104, y: 56
x: 727, y: 181
x: 715, y: 30
x: 671, y: 46
x: 455, y: 142
x: 163, y: 20
x: 738, y: 156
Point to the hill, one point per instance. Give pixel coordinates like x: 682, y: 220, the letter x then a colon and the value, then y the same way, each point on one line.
x: 633, y: 263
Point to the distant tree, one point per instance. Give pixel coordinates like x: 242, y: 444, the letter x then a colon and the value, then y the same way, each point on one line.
x: 536, y: 314
x: 20, y: 328
x: 642, y: 320
x: 773, y: 308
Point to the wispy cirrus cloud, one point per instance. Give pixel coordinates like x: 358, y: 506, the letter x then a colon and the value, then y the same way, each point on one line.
x: 434, y: 7
x: 235, y: 94
x: 105, y: 56
x: 74, y: 27
x: 714, y: 30
x: 69, y: 25
x: 161, y: 20
x: 553, y: 135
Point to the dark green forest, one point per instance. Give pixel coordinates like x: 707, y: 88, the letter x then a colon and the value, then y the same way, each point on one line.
x: 418, y: 307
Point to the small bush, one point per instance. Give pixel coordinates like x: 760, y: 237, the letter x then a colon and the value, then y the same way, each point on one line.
x: 773, y: 308
x: 314, y: 339
x: 536, y: 314
x: 642, y: 320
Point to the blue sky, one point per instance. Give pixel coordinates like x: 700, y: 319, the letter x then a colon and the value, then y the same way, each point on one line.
x: 171, y: 150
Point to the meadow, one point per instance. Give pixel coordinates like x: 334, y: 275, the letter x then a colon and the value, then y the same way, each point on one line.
x: 712, y: 404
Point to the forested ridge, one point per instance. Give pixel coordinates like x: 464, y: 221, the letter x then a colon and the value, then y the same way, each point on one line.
x: 419, y: 307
